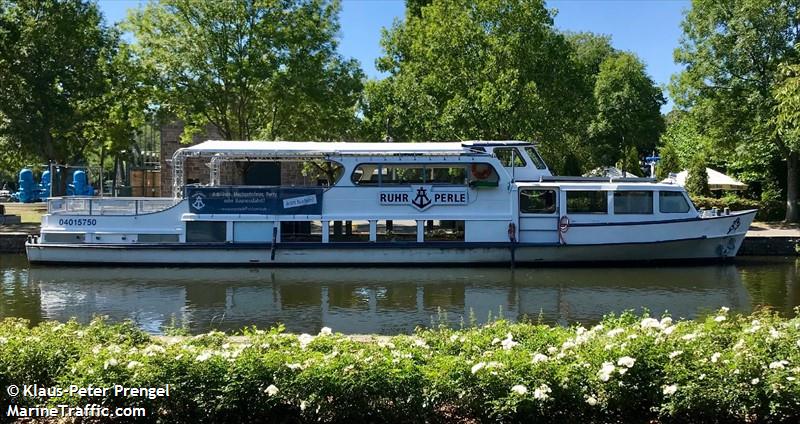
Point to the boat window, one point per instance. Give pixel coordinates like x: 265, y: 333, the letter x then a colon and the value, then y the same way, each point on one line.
x: 436, y: 230
x: 348, y: 231
x: 397, y: 230
x: 402, y: 174
x: 505, y: 154
x: 587, y: 202
x: 633, y: 202
x: 206, y: 231
x: 446, y: 174
x: 483, y: 175
x: 672, y: 202
x: 397, y: 174
x: 301, y: 231
x: 537, y: 201
x: 157, y: 238
x: 537, y: 160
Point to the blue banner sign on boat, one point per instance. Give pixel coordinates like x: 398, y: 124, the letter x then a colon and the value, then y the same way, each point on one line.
x: 255, y: 200
x: 424, y: 196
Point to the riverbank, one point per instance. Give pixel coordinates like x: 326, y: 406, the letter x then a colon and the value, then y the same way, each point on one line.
x: 723, y: 368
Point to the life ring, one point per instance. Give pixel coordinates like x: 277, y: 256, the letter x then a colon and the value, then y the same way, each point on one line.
x: 563, y: 227
x: 481, y: 171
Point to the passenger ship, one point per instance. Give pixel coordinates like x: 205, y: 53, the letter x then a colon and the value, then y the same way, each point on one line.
x: 465, y: 203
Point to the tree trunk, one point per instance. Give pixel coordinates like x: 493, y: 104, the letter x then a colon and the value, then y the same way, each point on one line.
x: 792, y: 211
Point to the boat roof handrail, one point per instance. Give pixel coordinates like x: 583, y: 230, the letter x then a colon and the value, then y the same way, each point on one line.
x: 557, y: 178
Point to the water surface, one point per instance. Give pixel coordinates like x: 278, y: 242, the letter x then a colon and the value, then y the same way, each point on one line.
x: 385, y: 300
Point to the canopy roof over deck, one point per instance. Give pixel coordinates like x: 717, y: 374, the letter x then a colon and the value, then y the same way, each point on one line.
x: 321, y: 149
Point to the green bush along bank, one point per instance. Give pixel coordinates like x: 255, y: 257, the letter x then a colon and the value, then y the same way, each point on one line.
x: 628, y: 368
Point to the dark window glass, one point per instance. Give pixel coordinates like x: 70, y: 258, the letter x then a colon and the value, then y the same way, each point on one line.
x: 672, y: 202
x: 401, y: 174
x: 397, y: 230
x: 587, y: 202
x: 537, y: 201
x: 366, y: 175
x: 206, y: 231
x: 537, y: 160
x: 349, y: 231
x: 505, y: 155
x: 633, y: 202
x: 436, y: 230
x: 301, y: 231
x: 445, y: 174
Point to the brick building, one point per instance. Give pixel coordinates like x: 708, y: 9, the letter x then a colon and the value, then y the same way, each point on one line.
x: 196, y: 170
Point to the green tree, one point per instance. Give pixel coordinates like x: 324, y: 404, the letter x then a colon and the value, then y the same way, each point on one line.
x: 254, y: 68
x: 697, y: 179
x: 628, y: 109
x: 733, y: 52
x: 54, y: 79
x: 669, y: 162
x: 475, y: 69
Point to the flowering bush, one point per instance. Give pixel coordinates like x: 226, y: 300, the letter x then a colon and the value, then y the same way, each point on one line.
x: 723, y: 368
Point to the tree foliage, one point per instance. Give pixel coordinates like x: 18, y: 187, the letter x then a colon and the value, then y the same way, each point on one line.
x: 266, y: 68
x: 697, y: 178
x: 492, y: 69
x: 55, y: 78
x: 733, y: 52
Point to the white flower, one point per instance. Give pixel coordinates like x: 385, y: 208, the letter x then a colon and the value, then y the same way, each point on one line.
x: 754, y: 381
x: 715, y: 357
x: 775, y: 334
x: 778, y: 364
x: 271, y: 390
x: 552, y: 350
x: 133, y: 364
x: 605, y: 371
x: 420, y: 343
x: 538, y: 357
x: 494, y: 364
x: 4, y: 340
x: 294, y: 366
x: 720, y: 318
x: 349, y: 368
x: 798, y: 343
x: 152, y: 350
x: 591, y: 400
x: 303, y: 405
x: 495, y: 341
x: 668, y: 330
x: 724, y: 309
x: 665, y: 322
x: 790, y: 378
x: 519, y: 389
x: 650, y: 323
x: 325, y: 331
x: 453, y: 338
x: 304, y: 340
x: 508, y: 343
x: 541, y: 392
x: 622, y: 371
x: 690, y: 336
x: 203, y: 357
x: 670, y: 390
x: 477, y: 367
x: 674, y: 354
x: 110, y: 363
x: 615, y: 332
x: 626, y: 361
x: 567, y: 345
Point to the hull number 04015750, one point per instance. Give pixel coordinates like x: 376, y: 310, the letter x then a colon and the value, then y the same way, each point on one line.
x: 77, y: 221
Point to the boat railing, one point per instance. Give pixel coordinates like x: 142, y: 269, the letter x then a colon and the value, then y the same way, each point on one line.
x: 108, y: 205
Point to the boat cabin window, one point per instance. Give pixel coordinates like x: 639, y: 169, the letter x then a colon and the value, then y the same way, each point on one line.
x: 397, y: 174
x: 537, y: 160
x: 508, y: 154
x: 587, y: 202
x: 301, y: 231
x: 633, y: 202
x: 206, y: 231
x: 397, y: 230
x: 349, y: 231
x: 537, y: 201
x: 436, y: 230
x: 483, y: 175
x: 322, y: 173
x: 672, y: 202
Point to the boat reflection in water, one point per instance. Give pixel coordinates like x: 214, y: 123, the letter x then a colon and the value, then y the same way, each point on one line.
x: 385, y: 300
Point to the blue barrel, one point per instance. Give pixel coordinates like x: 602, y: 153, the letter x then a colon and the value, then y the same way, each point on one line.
x: 27, y: 188
x: 80, y: 185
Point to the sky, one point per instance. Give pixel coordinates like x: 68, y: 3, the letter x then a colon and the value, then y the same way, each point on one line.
x: 648, y: 28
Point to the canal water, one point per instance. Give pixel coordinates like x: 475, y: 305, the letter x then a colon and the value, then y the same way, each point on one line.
x: 385, y: 300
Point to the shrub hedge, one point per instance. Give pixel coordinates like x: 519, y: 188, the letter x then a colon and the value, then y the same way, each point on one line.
x: 767, y: 210
x: 631, y: 369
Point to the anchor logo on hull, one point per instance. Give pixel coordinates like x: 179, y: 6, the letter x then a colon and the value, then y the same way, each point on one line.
x: 198, y: 201
x: 422, y: 200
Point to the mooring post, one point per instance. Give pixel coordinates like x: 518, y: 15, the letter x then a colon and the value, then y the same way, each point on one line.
x: 274, y: 241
